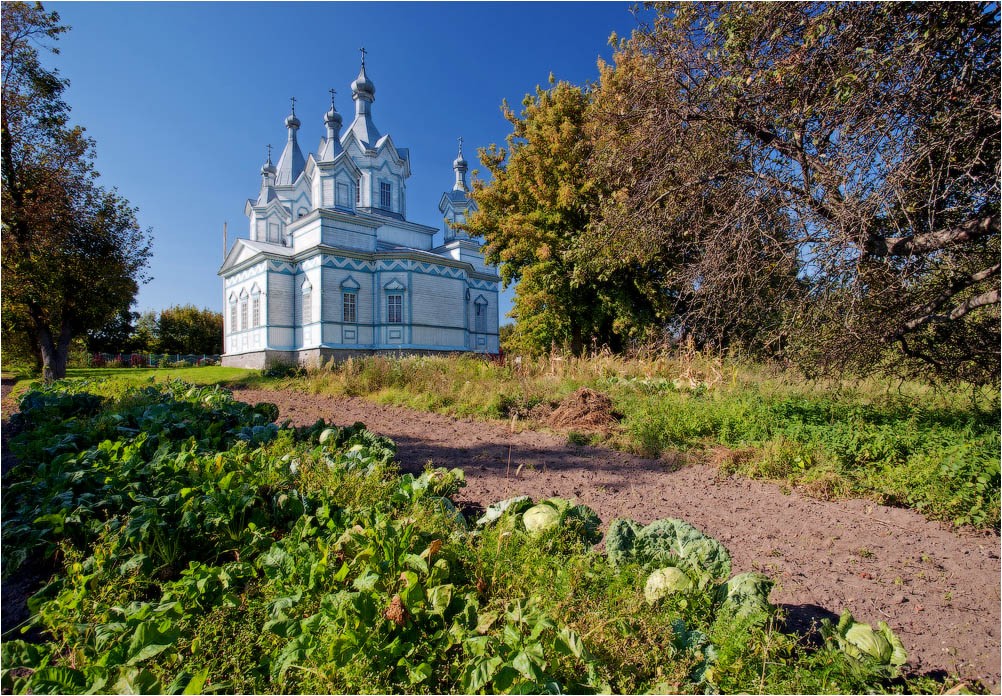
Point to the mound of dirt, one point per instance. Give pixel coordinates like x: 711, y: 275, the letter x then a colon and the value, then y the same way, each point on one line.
x: 586, y: 410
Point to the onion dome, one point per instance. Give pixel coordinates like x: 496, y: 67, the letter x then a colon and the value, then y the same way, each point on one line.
x: 268, y: 168
x: 332, y: 119
x: 363, y: 87
x: 460, y: 166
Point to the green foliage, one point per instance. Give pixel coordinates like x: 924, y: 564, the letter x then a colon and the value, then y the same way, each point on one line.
x: 879, y: 648
x: 198, y: 545
x: 73, y: 252
x: 531, y: 213
x: 188, y: 330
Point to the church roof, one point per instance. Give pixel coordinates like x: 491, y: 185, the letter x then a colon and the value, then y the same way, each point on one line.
x: 291, y: 163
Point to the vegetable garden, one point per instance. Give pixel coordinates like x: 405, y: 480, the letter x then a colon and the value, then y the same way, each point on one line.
x: 194, y: 545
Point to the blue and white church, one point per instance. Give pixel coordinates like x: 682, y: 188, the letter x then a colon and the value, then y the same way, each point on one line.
x: 332, y: 267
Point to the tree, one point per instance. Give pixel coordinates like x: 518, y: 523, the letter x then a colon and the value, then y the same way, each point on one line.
x: 73, y: 252
x: 116, y: 335
x: 531, y: 213
x: 189, y: 330
x: 834, y: 164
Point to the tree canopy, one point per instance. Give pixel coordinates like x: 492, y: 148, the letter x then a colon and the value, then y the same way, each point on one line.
x: 73, y: 252
x: 531, y: 214
x: 812, y: 181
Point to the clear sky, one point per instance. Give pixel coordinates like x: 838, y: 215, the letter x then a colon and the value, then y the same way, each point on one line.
x: 182, y: 99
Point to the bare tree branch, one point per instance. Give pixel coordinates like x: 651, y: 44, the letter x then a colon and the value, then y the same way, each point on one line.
x: 934, y: 241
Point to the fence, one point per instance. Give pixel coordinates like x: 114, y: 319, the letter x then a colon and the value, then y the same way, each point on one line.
x: 151, y: 360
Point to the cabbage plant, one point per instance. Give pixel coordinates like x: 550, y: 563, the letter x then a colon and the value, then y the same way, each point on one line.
x: 554, y: 513
x: 669, y: 542
x: 745, y: 595
x: 880, y: 648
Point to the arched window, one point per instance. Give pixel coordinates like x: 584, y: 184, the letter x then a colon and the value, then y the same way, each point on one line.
x: 480, y: 314
x: 307, y: 302
x: 255, y: 307
x: 349, y: 305
x: 233, y: 313
x: 243, y: 311
x: 395, y: 301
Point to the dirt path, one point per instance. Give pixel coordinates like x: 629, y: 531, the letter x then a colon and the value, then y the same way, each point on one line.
x: 938, y: 589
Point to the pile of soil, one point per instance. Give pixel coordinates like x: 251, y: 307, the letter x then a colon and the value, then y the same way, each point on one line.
x: 584, y: 410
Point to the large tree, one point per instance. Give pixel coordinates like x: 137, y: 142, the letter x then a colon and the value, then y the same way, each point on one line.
x: 531, y: 212
x: 73, y: 252
x: 832, y: 168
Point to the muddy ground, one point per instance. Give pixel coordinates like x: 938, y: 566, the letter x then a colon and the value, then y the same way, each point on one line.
x: 937, y: 588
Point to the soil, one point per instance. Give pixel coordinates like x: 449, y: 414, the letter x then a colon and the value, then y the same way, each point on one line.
x: 584, y: 410
x: 936, y: 587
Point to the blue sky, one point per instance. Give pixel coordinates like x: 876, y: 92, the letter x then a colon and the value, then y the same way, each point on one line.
x: 182, y: 99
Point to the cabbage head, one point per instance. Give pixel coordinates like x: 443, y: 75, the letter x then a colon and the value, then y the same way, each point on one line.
x: 495, y: 511
x: 664, y: 582
x: 880, y: 647
x: 327, y: 434
x: 541, y: 518
x: 555, y: 513
x: 746, y: 595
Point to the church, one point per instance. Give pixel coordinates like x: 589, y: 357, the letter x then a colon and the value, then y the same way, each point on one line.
x: 332, y: 267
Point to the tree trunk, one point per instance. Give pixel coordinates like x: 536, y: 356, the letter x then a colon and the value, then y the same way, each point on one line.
x: 577, y: 340
x: 54, y: 353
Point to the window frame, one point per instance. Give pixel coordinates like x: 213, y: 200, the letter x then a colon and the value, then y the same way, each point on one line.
x: 386, y: 195
x: 255, y: 310
x: 395, y: 301
x: 351, y: 318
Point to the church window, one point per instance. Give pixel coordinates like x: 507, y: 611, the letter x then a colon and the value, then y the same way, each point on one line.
x: 481, y: 318
x: 350, y: 304
x: 256, y: 310
x: 358, y: 190
x: 307, y: 303
x: 243, y: 313
x: 395, y: 309
x: 384, y: 195
x: 233, y: 315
